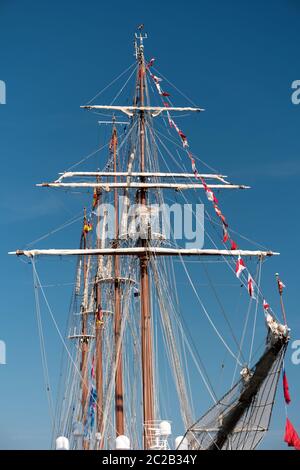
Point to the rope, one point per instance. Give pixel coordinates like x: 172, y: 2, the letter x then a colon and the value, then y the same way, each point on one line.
x: 255, y: 316
x: 54, y: 321
x: 223, y: 310
x: 43, y: 349
x: 208, y: 317
x: 60, y: 227
x: 111, y: 83
x: 52, y: 317
x: 243, y: 278
x: 244, y: 331
x: 167, y: 290
x: 175, y: 360
x: 120, y: 91
x: 174, y: 86
x: 205, y: 311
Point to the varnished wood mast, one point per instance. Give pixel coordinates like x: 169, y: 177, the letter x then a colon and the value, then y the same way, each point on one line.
x: 84, y: 338
x: 98, y: 333
x: 119, y: 406
x: 146, y: 333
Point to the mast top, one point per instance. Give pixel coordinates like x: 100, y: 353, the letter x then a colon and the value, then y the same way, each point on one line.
x: 139, y: 41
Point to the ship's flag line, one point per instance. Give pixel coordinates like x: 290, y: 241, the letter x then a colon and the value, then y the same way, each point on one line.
x: 240, y: 267
x: 291, y: 437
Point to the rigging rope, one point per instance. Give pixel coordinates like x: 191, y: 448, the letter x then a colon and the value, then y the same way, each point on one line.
x: 255, y: 315
x: 174, y: 86
x: 60, y: 227
x: 245, y: 326
x: 43, y: 349
x: 242, y: 279
x: 111, y: 83
x: 167, y: 291
x: 121, y: 89
x: 53, y: 319
x: 208, y: 316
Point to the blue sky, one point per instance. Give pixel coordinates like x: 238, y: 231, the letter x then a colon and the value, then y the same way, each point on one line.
x: 235, y: 59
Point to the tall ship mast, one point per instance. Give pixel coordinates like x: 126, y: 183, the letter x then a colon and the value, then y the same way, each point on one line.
x: 140, y: 362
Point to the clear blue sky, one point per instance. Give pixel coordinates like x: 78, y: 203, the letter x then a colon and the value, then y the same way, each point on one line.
x: 236, y: 59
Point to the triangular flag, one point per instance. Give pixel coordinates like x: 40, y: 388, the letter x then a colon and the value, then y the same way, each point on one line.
x: 291, y: 437
x: 150, y: 63
x: 266, y: 305
x: 251, y: 286
x: 219, y: 214
x: 240, y: 266
x: 156, y: 79
x: 225, y: 234
x: 233, y: 245
x: 158, y: 88
x: 210, y: 196
x: 286, y: 391
x: 281, y: 286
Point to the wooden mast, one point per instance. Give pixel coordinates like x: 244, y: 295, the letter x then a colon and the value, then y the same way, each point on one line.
x: 84, y: 338
x: 98, y: 331
x: 119, y: 411
x: 146, y: 337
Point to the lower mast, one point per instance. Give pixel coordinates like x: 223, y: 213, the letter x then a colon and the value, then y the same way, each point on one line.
x: 98, y: 333
x: 119, y: 410
x: 84, y: 338
x: 146, y: 333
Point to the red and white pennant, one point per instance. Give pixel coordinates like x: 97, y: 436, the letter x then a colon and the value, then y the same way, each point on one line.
x: 240, y: 265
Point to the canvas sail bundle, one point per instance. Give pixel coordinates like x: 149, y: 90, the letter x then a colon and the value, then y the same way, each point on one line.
x: 241, y: 418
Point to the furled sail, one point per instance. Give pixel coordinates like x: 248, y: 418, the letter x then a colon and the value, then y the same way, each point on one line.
x: 241, y: 417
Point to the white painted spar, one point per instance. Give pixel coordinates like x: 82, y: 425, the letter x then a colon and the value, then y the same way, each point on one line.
x: 134, y: 185
x: 146, y: 174
x: 153, y: 110
x: 153, y: 251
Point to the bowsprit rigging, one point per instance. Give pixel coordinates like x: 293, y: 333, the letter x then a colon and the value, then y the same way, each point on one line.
x: 139, y: 349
